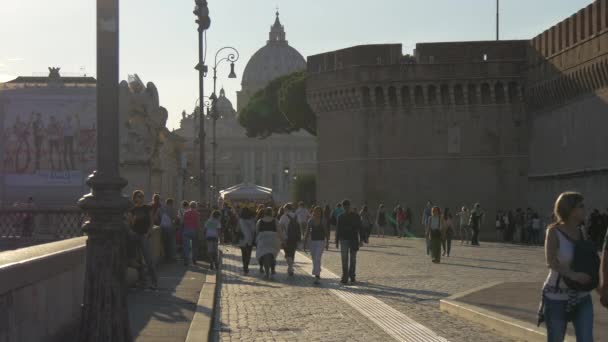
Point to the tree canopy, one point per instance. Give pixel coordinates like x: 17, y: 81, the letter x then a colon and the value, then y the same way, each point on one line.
x: 279, y: 108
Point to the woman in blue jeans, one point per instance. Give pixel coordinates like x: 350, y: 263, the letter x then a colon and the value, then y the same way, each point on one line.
x: 561, y: 304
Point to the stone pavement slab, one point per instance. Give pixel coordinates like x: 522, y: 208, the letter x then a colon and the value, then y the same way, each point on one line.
x: 398, y: 272
x: 286, y: 308
x: 520, y: 300
x: 164, y: 315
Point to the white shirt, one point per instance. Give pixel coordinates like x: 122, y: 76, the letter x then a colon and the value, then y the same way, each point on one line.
x: 302, y: 214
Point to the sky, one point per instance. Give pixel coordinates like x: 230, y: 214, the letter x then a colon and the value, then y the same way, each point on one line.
x: 159, y: 38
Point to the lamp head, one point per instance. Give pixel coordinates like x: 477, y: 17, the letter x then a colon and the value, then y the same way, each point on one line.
x: 232, y: 73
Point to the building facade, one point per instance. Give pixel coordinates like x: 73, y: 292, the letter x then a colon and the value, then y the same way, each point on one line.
x: 274, y: 162
x: 49, y: 140
x: 505, y: 123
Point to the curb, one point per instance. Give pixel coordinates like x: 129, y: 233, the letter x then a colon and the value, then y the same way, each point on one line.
x: 515, y: 328
x: 201, y: 327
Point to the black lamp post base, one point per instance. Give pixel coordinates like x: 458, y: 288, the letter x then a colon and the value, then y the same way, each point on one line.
x: 105, y: 315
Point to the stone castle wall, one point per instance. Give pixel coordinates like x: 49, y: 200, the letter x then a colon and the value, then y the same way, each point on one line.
x: 507, y: 123
x: 454, y: 133
x: 567, y: 98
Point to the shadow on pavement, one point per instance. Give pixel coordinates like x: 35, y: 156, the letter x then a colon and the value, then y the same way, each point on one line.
x: 166, y: 313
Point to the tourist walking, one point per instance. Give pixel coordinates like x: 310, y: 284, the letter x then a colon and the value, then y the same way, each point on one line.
x: 140, y: 222
x: 426, y: 215
x: 433, y: 234
x: 447, y: 232
x: 566, y: 291
x: 290, y: 229
x: 475, y: 223
x: 499, y: 227
x: 168, y: 220
x: 400, y: 220
x: 156, y: 206
x: 381, y: 220
x: 213, y: 226
x: 190, y: 234
x: 246, y: 232
x: 327, y: 223
x: 366, y: 224
x: 338, y: 210
x: 303, y: 216
x: 463, y: 228
x: 536, y: 228
x: 180, y: 216
x: 268, y: 238
x: 316, y: 232
x: 519, y: 234
x: 348, y: 239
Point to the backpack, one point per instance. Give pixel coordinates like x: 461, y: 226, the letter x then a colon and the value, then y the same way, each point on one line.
x: 586, y: 261
x: 165, y: 221
x: 293, y: 230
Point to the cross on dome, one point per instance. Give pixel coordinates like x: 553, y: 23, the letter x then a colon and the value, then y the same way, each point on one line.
x: 277, y: 31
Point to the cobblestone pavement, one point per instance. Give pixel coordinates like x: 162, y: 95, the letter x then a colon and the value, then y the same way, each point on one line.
x: 398, y: 272
x: 395, y: 271
x: 285, y: 309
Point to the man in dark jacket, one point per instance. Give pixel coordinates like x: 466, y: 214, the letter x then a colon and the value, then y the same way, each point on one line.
x: 348, y: 235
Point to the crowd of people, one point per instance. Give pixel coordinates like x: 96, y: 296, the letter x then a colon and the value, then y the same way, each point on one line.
x: 571, y: 243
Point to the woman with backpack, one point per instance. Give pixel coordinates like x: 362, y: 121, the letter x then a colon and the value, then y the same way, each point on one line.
x: 268, y: 242
x: 291, y: 236
x: 566, y: 289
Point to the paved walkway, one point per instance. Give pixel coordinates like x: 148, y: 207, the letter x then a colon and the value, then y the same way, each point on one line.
x: 394, y: 275
x: 164, y: 315
x: 286, y: 308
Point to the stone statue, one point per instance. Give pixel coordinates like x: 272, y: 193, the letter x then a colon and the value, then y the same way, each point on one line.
x: 142, y: 120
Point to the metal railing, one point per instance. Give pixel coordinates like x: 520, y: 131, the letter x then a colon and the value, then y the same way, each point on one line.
x: 41, y: 223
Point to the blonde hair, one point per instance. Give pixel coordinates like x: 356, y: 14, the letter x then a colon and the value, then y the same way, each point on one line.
x: 564, y: 205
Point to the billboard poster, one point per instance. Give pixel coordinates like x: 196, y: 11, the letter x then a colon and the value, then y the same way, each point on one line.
x: 48, y: 140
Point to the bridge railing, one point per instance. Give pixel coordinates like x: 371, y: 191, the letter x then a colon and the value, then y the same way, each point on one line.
x: 54, y: 224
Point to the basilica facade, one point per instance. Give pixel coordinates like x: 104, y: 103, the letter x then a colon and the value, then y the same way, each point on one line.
x: 274, y: 162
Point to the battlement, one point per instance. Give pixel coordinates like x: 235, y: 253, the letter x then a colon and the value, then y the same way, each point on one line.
x: 380, y: 54
x: 585, y: 24
x: 471, y: 52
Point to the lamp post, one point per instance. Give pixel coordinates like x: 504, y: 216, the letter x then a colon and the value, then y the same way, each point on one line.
x: 201, y: 11
x: 104, y: 312
x: 232, y: 57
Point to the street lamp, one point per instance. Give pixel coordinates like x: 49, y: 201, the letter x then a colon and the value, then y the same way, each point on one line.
x: 232, y: 56
x: 201, y: 11
x: 105, y: 314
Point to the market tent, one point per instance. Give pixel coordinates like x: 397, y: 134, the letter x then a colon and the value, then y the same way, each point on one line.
x: 246, y: 192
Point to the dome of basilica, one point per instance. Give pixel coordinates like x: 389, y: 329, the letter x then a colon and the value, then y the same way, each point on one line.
x: 273, y: 60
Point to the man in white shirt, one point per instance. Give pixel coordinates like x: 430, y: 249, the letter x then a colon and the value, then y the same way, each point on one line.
x: 302, y: 215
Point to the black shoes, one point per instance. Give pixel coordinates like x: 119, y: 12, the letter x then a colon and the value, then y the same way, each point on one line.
x: 352, y: 280
x: 344, y: 281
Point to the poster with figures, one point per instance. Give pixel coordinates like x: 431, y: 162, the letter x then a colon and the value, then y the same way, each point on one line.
x: 48, y: 141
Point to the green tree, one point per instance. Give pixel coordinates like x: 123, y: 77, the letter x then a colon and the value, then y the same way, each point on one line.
x: 279, y: 108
